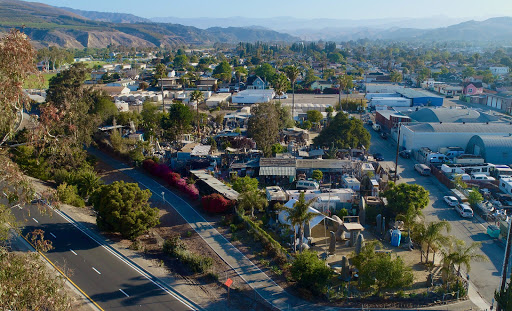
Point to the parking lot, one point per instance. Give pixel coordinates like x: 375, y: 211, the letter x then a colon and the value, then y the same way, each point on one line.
x: 484, y: 275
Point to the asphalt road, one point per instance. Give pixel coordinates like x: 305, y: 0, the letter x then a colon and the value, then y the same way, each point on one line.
x: 484, y: 275
x: 106, y: 279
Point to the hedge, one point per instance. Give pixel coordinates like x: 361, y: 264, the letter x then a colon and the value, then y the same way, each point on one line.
x: 173, y: 179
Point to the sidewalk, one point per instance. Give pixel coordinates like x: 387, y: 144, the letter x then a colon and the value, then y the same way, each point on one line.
x: 250, y: 273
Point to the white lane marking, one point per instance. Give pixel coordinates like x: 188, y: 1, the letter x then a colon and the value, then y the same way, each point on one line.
x: 35, y: 220
x: 73, y: 252
x: 482, y: 226
x: 53, y: 235
x: 125, y: 260
x: 96, y: 270
x: 122, y: 291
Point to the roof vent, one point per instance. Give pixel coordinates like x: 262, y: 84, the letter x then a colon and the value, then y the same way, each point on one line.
x: 463, y: 122
x: 440, y: 122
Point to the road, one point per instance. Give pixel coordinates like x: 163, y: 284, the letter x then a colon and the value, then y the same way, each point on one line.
x: 484, y: 275
x: 106, y: 278
x: 250, y: 273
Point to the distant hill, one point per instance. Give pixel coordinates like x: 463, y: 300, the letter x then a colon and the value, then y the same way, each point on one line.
x: 47, y: 26
x: 108, y: 17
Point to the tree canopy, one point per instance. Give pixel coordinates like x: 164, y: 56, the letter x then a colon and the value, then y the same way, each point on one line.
x: 401, y: 197
x: 266, y: 72
x: 223, y: 71
x: 311, y: 272
x: 177, y: 121
x: 264, y: 126
x: 124, y: 208
x: 244, y: 184
x: 344, y: 132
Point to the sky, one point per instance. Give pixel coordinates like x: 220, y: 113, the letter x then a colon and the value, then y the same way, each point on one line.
x: 335, y: 9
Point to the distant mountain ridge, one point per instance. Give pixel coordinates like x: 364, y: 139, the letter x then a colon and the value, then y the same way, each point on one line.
x: 108, y: 16
x: 47, y: 25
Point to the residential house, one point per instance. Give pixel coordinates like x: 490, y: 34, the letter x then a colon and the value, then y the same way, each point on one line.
x: 206, y: 84
x: 97, y: 75
x: 170, y: 83
x: 449, y: 90
x: 256, y: 83
x: 472, y: 88
x: 321, y: 85
x: 112, y: 90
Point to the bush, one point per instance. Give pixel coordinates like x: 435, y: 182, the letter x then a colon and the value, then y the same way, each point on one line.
x: 68, y: 194
x: 192, y: 191
x: 311, y: 272
x: 215, y: 203
x: 176, y: 248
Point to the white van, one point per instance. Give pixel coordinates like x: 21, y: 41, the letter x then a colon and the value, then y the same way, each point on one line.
x: 376, y: 127
x: 482, y: 177
x: 422, y: 169
x: 307, y: 185
x: 437, y: 158
x: 464, y: 210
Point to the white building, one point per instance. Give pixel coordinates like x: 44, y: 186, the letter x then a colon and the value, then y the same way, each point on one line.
x: 253, y: 96
x: 499, y: 70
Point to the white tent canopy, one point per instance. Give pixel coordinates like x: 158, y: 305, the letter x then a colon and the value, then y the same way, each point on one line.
x: 283, y: 215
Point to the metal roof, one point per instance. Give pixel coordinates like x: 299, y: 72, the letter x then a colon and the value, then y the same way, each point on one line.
x: 216, y: 184
x: 461, y: 127
x: 277, y: 171
x: 277, y: 162
x: 493, y: 148
x: 451, y: 115
x: 323, y: 164
x: 410, y: 93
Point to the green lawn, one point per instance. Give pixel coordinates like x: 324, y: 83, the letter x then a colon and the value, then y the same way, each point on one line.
x: 33, y: 83
x: 93, y: 63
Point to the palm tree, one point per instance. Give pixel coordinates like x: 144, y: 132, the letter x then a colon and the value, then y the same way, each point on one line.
x: 460, y: 254
x: 281, y: 84
x: 251, y: 200
x: 298, y: 216
x: 292, y: 73
x: 197, y: 96
x: 344, y: 83
x: 433, y: 236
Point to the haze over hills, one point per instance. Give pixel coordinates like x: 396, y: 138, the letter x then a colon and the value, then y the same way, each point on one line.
x: 47, y: 25
x: 71, y: 28
x: 109, y: 17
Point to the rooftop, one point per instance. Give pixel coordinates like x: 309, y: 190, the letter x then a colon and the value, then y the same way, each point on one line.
x: 410, y: 93
x: 460, y: 127
x: 215, y: 184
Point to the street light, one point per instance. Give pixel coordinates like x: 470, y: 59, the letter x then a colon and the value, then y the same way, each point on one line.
x: 163, y: 196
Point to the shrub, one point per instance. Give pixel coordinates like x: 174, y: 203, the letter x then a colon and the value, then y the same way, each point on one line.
x: 161, y: 170
x: 176, y: 248
x: 192, y: 191
x: 311, y: 272
x: 68, y: 194
x: 172, y: 179
x: 215, y: 203
x: 149, y: 165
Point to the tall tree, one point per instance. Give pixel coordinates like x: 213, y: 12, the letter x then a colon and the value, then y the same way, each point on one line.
x: 344, y: 132
x: 266, y: 72
x: 299, y: 215
x: 223, y: 71
x: 462, y: 255
x: 292, y: 72
x: 281, y: 84
x: 16, y: 64
x: 151, y: 118
x: 403, y: 196
x: 344, y: 84
x: 197, y: 97
x: 177, y: 121
x: 264, y: 126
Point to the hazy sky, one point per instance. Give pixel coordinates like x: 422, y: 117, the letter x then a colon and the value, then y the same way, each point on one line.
x: 338, y: 9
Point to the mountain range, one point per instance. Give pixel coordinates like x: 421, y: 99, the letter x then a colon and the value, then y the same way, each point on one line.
x: 47, y: 25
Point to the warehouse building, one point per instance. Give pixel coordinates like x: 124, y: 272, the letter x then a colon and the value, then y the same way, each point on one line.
x: 449, y: 115
x: 436, y: 135
x: 493, y: 148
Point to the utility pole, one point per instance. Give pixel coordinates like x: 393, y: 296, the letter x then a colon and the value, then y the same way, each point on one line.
x: 505, y: 261
x: 162, y: 90
x: 397, y: 151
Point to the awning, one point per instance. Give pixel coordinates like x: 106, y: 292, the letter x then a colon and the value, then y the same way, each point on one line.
x: 283, y: 215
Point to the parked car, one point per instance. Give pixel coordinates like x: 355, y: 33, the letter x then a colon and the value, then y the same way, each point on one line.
x: 451, y: 200
x: 384, y: 135
x: 464, y: 210
x: 406, y: 154
x: 378, y: 157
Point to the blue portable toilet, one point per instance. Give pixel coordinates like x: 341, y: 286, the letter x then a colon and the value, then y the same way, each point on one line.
x: 396, y: 235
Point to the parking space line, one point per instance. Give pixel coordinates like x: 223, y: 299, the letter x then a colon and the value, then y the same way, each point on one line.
x: 122, y: 291
x: 96, y: 270
x: 35, y: 220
